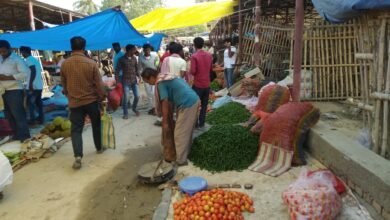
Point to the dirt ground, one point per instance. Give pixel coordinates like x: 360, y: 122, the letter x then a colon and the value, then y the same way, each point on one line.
x: 106, y: 187
x: 118, y: 195
x: 349, y: 121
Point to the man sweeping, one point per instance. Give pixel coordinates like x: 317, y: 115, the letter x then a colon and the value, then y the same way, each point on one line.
x: 173, y: 91
x: 84, y: 88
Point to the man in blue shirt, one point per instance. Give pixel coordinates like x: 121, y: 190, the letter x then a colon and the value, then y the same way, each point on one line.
x: 174, y: 91
x: 118, y: 54
x: 35, y: 86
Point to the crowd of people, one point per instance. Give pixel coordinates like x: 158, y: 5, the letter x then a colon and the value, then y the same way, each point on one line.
x: 177, y: 86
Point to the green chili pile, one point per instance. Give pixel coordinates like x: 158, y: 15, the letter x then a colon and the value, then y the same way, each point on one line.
x: 224, y: 148
x: 231, y: 113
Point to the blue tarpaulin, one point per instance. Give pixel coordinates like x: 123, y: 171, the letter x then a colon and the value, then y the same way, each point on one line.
x: 338, y: 11
x: 100, y: 30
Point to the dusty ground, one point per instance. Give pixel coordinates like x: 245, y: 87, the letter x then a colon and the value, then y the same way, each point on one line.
x: 267, y: 192
x: 349, y: 121
x: 105, y: 188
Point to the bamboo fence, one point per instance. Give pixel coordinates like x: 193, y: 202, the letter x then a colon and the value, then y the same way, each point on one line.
x: 340, y: 61
x: 374, y: 58
x: 274, y: 45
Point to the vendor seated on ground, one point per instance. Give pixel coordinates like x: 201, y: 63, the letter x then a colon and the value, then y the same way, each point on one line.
x: 173, y: 91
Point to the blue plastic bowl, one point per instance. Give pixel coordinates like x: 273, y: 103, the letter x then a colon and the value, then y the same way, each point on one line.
x: 192, y: 185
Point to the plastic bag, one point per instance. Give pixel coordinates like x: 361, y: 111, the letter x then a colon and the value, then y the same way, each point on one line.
x: 221, y: 101
x: 338, y: 185
x: 312, y: 197
x: 365, y: 138
x: 6, y: 173
x: 114, y: 97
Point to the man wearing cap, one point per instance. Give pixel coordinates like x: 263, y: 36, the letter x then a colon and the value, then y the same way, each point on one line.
x: 13, y: 71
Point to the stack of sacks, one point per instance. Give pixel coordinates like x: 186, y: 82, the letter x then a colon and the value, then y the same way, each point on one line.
x: 288, y: 126
x: 271, y: 97
x: 282, y: 138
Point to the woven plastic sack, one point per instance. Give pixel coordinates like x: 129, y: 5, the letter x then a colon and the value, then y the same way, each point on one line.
x: 289, y: 126
x: 312, y: 197
x: 271, y: 97
x: 108, y: 132
x: 6, y: 173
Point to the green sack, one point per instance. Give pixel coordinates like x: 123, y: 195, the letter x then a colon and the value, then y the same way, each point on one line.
x: 108, y: 133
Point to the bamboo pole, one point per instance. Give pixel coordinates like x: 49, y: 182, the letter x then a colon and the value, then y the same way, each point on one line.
x: 378, y: 106
x: 385, y: 132
x: 299, y: 21
x: 360, y: 105
x: 364, y: 56
x: 381, y: 96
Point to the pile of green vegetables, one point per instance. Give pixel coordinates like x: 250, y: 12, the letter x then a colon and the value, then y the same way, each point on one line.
x: 214, y: 86
x: 224, y: 148
x: 231, y: 113
x: 12, y: 157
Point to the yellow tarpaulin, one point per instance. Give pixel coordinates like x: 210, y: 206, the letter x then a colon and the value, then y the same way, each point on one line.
x: 173, y: 18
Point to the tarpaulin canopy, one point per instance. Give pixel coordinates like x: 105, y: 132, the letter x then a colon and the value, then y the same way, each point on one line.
x: 100, y: 30
x: 338, y: 11
x: 173, y: 18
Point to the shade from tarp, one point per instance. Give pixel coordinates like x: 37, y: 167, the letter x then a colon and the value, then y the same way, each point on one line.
x: 338, y: 11
x: 173, y: 18
x: 100, y: 30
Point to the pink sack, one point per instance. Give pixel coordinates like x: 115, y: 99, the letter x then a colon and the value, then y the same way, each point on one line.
x: 114, y: 97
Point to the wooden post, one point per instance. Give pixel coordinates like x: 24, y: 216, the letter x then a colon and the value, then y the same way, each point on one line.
x: 257, y: 32
x: 386, y: 109
x: 378, y: 106
x: 31, y: 15
x: 240, y: 32
x: 70, y: 17
x: 298, y: 37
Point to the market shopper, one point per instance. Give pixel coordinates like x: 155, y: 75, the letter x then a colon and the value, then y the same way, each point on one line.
x: 172, y: 91
x: 229, y: 59
x: 84, y: 88
x: 148, y: 60
x: 13, y: 71
x: 129, y: 66
x: 201, y: 67
x: 177, y: 65
x: 118, y: 54
x: 34, y: 87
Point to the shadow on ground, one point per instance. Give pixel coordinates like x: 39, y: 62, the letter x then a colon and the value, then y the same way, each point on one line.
x: 118, y: 195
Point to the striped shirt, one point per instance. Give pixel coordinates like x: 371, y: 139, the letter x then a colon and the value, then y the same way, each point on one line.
x: 81, y: 80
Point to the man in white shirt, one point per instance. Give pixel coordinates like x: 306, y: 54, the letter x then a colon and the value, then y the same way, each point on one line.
x: 229, y: 59
x: 177, y: 65
x: 34, y: 87
x: 13, y: 71
x: 148, y: 60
